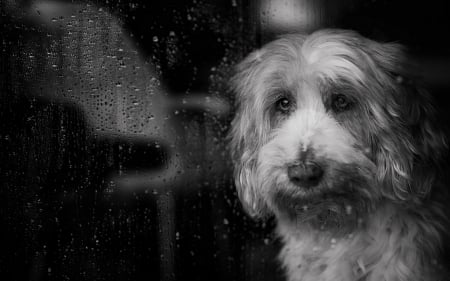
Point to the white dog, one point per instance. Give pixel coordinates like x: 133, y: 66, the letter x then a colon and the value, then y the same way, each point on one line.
x: 333, y: 138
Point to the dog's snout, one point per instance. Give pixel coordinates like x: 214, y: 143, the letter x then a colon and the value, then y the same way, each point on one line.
x: 306, y: 174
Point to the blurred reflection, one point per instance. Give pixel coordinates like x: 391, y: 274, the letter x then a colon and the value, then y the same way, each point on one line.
x: 282, y: 16
x: 76, y: 63
x: 89, y: 60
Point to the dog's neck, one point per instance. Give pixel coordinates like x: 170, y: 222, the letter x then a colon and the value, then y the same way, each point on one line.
x: 394, y: 244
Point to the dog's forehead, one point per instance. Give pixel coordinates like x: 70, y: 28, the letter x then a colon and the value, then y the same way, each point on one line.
x: 319, y: 58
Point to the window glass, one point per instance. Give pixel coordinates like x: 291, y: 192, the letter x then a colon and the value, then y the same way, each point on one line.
x: 114, y: 118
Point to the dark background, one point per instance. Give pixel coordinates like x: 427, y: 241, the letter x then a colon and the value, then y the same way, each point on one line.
x: 65, y: 214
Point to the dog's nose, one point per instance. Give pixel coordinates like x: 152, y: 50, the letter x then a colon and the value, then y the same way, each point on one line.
x: 305, y: 174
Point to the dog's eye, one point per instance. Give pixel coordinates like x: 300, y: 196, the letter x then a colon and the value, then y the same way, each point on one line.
x: 341, y: 103
x: 283, y: 104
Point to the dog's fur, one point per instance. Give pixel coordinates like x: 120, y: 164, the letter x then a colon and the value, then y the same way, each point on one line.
x: 372, y: 216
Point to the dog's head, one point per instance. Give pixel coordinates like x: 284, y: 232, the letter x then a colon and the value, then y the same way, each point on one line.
x: 328, y: 125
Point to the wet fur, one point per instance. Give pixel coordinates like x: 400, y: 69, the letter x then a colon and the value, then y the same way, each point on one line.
x: 372, y: 217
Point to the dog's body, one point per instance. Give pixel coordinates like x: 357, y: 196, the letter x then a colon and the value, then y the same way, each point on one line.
x: 333, y: 138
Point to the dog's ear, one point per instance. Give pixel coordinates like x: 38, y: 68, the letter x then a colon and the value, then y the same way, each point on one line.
x: 245, y: 135
x: 411, y: 155
x: 428, y: 139
x: 246, y: 185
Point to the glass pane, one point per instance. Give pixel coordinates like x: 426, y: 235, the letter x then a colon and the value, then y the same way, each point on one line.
x: 114, y: 119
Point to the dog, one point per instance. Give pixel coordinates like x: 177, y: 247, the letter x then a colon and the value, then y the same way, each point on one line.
x: 335, y: 137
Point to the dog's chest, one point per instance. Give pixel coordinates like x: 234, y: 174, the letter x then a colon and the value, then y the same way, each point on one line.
x: 379, y: 253
x: 328, y: 260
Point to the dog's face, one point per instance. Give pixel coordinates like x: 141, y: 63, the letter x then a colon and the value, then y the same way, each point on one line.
x: 327, y: 125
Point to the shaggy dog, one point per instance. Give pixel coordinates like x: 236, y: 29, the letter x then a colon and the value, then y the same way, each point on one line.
x: 334, y: 138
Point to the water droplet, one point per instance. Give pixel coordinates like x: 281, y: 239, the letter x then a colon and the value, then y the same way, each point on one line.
x: 348, y: 210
